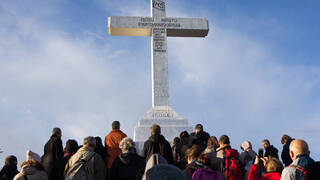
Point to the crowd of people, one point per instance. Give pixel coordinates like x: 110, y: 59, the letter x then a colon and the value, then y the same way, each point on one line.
x: 195, y: 156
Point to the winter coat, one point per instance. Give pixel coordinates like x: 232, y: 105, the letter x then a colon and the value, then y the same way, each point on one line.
x: 112, y: 141
x: 206, y: 174
x: 191, y: 168
x: 157, y: 144
x: 212, y: 153
x: 292, y: 173
x: 53, y: 152
x: 199, y: 139
x: 96, y: 165
x: 32, y: 172
x: 127, y: 166
x: 271, y: 151
x: 8, y: 172
x: 247, y: 158
x: 253, y: 174
x: 285, y: 156
x: 58, y: 169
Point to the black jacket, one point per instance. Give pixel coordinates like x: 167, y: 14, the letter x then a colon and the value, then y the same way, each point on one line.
x: 8, y: 172
x: 127, y: 166
x: 200, y: 139
x: 286, y: 159
x: 157, y: 144
x: 271, y: 151
x: 53, y: 152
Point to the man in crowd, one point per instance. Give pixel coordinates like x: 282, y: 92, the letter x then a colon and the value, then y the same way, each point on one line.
x: 112, y: 141
x: 91, y: 165
x: 199, y: 137
x: 157, y: 144
x: 286, y: 140
x: 53, y: 152
x: 270, y: 150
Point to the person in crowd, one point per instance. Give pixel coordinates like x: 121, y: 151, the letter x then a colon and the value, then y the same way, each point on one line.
x: 32, y: 169
x: 112, y: 141
x: 199, y: 137
x: 157, y: 144
x: 286, y: 140
x: 100, y: 149
x: 205, y: 172
x: 211, y: 151
x: 229, y: 159
x: 154, y: 160
x: 177, y: 153
x: 247, y: 157
x: 302, y: 163
x: 270, y: 150
x: 53, y: 152
x: 70, y: 149
x: 184, y: 141
x: 192, y: 155
x: 128, y: 165
x: 9, y: 169
x: 273, y: 168
x: 94, y: 166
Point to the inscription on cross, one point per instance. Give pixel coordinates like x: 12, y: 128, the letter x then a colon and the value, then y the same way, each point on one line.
x: 158, y: 26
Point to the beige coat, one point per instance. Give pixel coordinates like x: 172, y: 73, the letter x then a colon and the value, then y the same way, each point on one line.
x: 96, y: 166
x: 32, y: 173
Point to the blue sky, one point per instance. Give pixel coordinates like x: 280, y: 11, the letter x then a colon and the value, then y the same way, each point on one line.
x: 256, y: 75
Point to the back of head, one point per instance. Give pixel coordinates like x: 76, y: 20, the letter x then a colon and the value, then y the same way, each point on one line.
x: 299, y: 146
x: 198, y: 128
x: 194, y: 152
x: 266, y: 141
x: 273, y: 165
x: 71, y: 146
x: 165, y: 172
x: 204, y: 159
x: 89, y: 142
x: 176, y: 140
x: 126, y: 145
x: 155, y: 129
x: 285, y: 138
x: 212, y: 141
x: 32, y: 155
x: 246, y: 145
x: 224, y: 140
x: 56, y: 131
x: 11, y: 160
x: 115, y: 125
x: 98, y: 141
x: 184, y: 134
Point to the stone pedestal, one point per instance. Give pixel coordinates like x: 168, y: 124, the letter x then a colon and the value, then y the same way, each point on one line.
x: 171, y: 123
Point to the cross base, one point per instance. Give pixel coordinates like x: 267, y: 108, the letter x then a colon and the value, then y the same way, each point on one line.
x: 171, y: 123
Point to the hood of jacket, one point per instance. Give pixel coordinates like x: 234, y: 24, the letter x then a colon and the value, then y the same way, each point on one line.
x: 158, y: 138
x: 129, y: 158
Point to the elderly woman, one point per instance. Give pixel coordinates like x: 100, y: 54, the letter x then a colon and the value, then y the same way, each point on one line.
x: 128, y: 165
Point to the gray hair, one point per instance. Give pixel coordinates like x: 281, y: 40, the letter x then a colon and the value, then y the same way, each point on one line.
x: 56, y: 131
x: 89, y: 141
x: 126, y: 144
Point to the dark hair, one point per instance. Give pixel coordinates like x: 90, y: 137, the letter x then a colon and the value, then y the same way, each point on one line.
x: 56, y: 131
x: 71, y: 146
x: 199, y: 127
x: 115, y: 125
x: 11, y: 160
x: 194, y: 152
x: 266, y: 141
x: 204, y: 159
x: 224, y: 139
x: 155, y: 129
x: 273, y: 165
x: 98, y: 141
x: 212, y: 141
x: 176, y: 140
x: 184, y: 134
x: 285, y: 138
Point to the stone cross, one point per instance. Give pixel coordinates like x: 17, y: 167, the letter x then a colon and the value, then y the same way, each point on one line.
x: 158, y: 26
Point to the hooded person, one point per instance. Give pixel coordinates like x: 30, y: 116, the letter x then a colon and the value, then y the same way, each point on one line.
x: 128, y: 165
x: 157, y: 144
x: 32, y: 169
x: 9, y: 169
x: 155, y: 159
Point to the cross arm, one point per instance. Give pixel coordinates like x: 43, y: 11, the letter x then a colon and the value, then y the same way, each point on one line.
x: 142, y: 26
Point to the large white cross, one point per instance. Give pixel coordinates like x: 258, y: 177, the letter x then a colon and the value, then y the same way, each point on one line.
x: 159, y: 27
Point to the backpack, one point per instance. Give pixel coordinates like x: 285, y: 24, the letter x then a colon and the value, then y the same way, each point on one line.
x: 79, y: 171
x: 205, y: 174
x: 232, y: 167
x: 312, y: 174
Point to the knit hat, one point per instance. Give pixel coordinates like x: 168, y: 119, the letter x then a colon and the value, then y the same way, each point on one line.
x: 32, y: 155
x: 165, y: 172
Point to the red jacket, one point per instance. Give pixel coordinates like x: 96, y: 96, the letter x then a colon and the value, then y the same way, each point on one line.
x: 112, y: 141
x: 253, y: 174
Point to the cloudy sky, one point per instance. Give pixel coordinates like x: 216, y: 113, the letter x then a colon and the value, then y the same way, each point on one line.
x: 255, y: 76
